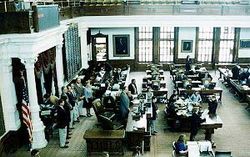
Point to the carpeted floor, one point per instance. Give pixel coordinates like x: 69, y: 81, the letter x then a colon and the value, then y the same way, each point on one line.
x: 233, y: 136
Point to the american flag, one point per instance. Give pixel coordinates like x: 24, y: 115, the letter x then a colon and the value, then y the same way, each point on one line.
x: 26, y: 112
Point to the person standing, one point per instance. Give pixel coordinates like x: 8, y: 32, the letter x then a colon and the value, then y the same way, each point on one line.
x: 88, y: 93
x: 62, y: 123
x: 195, y: 124
x: 212, y: 105
x: 124, y: 106
x: 188, y: 63
x: 132, y: 87
x: 68, y: 108
x: 71, y: 100
x: 79, y: 89
x: 76, y: 113
x: 154, y: 115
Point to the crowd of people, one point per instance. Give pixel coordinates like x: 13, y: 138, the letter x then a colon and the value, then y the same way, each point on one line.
x: 190, y: 107
x: 76, y: 98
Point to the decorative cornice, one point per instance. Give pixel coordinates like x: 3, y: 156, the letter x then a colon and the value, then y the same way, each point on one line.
x: 23, y: 45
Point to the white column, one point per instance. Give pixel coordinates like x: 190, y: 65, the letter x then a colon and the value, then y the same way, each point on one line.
x: 8, y: 96
x: 59, y: 67
x: 84, y: 47
x: 38, y: 135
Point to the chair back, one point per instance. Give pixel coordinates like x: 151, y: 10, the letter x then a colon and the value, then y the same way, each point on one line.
x: 223, y: 154
x: 98, y: 107
x: 173, y: 146
x: 106, y: 123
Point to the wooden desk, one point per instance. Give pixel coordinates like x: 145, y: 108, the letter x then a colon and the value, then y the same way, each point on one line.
x: 203, y: 92
x: 200, y: 149
x: 242, y: 91
x: 211, y: 124
x: 248, y: 101
x: 195, y: 83
x: 10, y: 142
x: 104, y: 140
x: 137, y: 131
x: 194, y: 77
x: 226, y: 74
x: 160, y: 92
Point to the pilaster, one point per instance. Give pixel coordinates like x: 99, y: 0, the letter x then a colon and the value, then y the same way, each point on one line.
x: 8, y: 96
x: 39, y: 140
x: 84, y: 47
x: 59, y: 67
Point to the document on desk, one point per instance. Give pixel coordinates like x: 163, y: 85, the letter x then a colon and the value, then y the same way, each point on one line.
x: 193, y: 149
x: 205, y: 146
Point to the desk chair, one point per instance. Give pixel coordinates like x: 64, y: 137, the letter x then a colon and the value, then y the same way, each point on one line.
x: 108, y: 124
x: 223, y: 154
x: 100, y: 110
x: 177, y: 154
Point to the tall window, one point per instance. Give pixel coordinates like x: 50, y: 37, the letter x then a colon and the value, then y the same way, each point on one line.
x: 226, y: 44
x: 166, y: 44
x: 205, y: 44
x: 145, y: 44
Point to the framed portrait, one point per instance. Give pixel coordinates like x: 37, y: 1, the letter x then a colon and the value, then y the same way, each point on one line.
x: 186, y: 46
x: 245, y: 44
x: 121, y: 45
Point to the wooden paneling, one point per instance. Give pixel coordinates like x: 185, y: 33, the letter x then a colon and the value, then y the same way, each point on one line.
x: 123, y: 63
x: 16, y: 22
x: 9, y: 143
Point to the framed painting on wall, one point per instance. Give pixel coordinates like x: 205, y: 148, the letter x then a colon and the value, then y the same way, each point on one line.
x: 245, y: 43
x: 186, y: 46
x: 121, y: 45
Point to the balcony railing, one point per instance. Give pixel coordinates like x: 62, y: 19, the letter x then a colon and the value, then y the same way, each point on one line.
x: 144, y: 7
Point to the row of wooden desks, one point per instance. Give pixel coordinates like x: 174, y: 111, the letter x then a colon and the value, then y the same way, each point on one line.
x: 136, y: 133
x: 99, y: 141
x: 138, y: 126
x: 210, y: 124
x: 241, y: 90
x: 194, y: 83
x: 203, y: 92
x: 226, y: 74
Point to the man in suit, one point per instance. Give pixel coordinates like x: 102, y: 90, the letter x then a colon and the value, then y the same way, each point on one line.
x: 62, y: 123
x: 79, y: 90
x: 195, y: 124
x: 132, y: 87
x: 212, y: 105
x: 124, y: 106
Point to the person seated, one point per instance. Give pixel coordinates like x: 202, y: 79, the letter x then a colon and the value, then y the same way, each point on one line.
x: 195, y: 97
x: 206, y: 82
x: 117, y: 75
x: 149, y: 93
x: 243, y: 76
x: 236, y: 71
x: 132, y: 87
x: 109, y: 102
x: 180, y: 146
x: 248, y: 81
x: 205, y: 75
x: 173, y: 97
x: 186, y: 83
